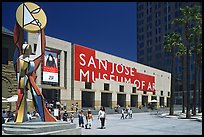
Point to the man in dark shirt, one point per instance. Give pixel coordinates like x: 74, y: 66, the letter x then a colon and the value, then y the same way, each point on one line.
x: 65, y: 116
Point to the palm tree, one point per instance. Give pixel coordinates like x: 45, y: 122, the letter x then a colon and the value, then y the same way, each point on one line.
x: 172, y: 41
x: 189, y: 16
x: 195, y: 39
x: 181, y: 52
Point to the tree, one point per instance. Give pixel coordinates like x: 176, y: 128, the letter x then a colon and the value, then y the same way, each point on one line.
x: 172, y: 41
x: 181, y: 52
x: 191, y: 20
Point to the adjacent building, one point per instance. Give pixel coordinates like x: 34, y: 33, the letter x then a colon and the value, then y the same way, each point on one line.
x: 153, y: 23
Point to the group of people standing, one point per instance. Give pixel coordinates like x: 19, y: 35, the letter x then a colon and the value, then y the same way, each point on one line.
x: 88, y: 117
x: 127, y: 111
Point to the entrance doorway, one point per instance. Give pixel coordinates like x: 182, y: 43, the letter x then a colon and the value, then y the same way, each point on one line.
x: 121, y: 100
x: 161, y: 100
x: 134, y: 99
x: 51, y: 96
x: 88, y: 99
x: 144, y: 101
x: 106, y: 99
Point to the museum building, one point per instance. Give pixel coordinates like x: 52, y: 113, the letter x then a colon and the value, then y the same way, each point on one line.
x: 72, y: 73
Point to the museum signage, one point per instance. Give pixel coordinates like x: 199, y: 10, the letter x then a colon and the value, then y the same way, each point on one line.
x: 88, y: 68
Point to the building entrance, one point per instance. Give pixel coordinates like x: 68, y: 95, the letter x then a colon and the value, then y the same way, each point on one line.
x: 106, y: 99
x: 121, y: 100
x: 134, y: 99
x: 144, y: 101
x: 88, y: 99
x: 161, y: 100
x: 51, y: 96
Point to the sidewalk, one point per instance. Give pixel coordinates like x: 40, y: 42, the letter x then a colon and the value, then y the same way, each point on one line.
x: 143, y: 124
x: 177, y: 115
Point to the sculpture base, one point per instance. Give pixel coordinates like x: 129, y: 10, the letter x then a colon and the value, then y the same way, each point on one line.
x: 41, y: 128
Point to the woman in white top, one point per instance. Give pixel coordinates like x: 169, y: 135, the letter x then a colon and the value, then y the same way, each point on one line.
x: 102, y: 116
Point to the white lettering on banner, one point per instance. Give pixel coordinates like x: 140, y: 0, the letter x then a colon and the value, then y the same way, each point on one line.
x: 127, y: 71
x: 104, y: 65
x: 127, y: 81
x: 118, y: 69
x: 91, y: 61
x: 132, y: 72
x: 149, y: 86
x: 112, y: 72
x: 104, y: 76
x: 111, y: 77
x: 84, y: 62
x: 93, y: 76
x: 137, y: 83
x: 143, y: 84
x: 82, y: 73
x: 90, y: 69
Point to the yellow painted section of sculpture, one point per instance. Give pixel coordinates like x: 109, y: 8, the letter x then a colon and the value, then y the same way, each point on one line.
x: 22, y: 72
x: 22, y: 83
x: 25, y: 65
x: 31, y: 17
x: 20, y: 115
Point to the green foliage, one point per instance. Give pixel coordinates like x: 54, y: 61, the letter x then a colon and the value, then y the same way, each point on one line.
x: 174, y: 40
x: 191, y: 19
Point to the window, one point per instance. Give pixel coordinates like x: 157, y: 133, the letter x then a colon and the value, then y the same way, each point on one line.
x: 168, y: 93
x: 144, y: 92
x: 153, y: 93
x: 133, y: 89
x: 161, y: 93
x: 121, y: 88
x: 106, y: 86
x: 144, y: 70
x: 88, y: 85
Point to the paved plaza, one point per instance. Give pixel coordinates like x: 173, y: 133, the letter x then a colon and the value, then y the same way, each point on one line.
x: 144, y: 124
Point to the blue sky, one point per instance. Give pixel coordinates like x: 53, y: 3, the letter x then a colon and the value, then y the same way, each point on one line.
x: 109, y: 27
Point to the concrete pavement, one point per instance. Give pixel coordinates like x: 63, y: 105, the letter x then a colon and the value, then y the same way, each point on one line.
x: 144, y: 124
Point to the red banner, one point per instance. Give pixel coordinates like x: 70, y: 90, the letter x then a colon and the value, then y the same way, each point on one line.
x: 88, y: 68
x: 50, y: 66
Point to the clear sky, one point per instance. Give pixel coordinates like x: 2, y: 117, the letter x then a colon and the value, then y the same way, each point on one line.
x: 109, y: 27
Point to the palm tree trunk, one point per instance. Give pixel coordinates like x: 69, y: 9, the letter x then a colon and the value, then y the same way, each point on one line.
x: 183, y: 83
x: 172, y: 83
x: 195, y: 76
x: 195, y: 90
x: 199, y: 99
x: 188, y: 115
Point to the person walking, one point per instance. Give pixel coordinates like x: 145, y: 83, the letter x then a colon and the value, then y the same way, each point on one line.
x: 89, y: 118
x: 127, y: 112
x: 81, y: 118
x: 130, y: 112
x: 102, y: 116
x: 122, y: 114
x: 65, y: 115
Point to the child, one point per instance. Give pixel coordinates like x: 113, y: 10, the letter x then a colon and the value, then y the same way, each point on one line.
x: 89, y: 119
x: 72, y: 117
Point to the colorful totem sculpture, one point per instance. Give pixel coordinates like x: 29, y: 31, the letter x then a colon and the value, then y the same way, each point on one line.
x: 30, y: 18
